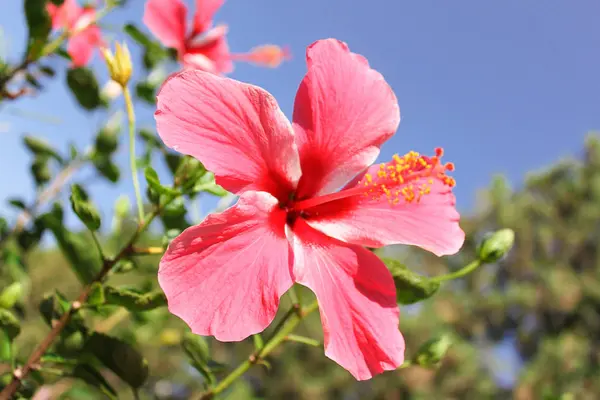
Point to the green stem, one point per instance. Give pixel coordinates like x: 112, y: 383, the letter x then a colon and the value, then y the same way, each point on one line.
x: 303, y: 339
x: 291, y: 320
x: 98, y: 245
x: 54, y: 45
x: 132, y: 159
x: 294, y: 295
x: 458, y: 274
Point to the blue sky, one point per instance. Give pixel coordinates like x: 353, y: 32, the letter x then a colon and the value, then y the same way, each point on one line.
x: 504, y: 87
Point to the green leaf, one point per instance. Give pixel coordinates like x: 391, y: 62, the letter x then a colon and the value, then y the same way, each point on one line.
x: 84, y: 209
x: 173, y: 161
x: 63, y: 53
x: 28, y: 238
x: 207, y: 184
x: 32, y: 80
x: 56, y: 359
x: 84, y: 86
x: 107, y: 141
x: 85, y: 263
x: 150, y: 138
x: 106, y: 167
x: 41, y: 147
x: 137, y: 35
x: 154, y: 183
x: 96, y: 297
x: 119, y: 357
x: 198, y: 352
x: 5, y: 347
x: 146, y: 91
x: 134, y: 301
x: 9, y: 323
x: 53, y: 306
x: 40, y: 170
x: 11, y: 295
x: 39, y: 24
x: 92, y: 377
x: 48, y: 71
x: 410, y: 287
x: 18, y: 203
x: 153, y: 55
x: 431, y: 353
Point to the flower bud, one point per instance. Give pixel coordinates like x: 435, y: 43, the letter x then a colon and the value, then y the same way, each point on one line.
x: 495, y: 245
x: 433, y: 351
x: 119, y: 64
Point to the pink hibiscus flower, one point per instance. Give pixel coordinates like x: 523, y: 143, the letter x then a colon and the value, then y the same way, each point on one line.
x: 84, y: 35
x: 292, y: 222
x: 205, y: 47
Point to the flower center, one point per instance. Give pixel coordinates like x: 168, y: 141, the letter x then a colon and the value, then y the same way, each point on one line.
x: 406, y: 178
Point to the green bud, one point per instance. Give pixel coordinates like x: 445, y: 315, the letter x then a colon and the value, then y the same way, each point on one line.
x: 84, y: 209
x: 10, y: 295
x: 107, y: 141
x: 433, y: 351
x: 495, y: 245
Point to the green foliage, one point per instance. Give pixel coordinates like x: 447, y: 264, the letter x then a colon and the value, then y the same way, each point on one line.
x: 197, y: 350
x: 84, y: 209
x: 84, y: 262
x: 39, y: 25
x: 84, y: 86
x: 410, y: 287
x: 92, y: 377
x: 128, y: 298
x: 118, y: 356
x: 9, y: 324
x: 154, y: 184
x: 10, y: 295
x: 41, y: 148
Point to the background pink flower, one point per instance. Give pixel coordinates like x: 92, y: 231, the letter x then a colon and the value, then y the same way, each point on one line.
x: 205, y: 46
x: 85, y: 36
x: 225, y: 276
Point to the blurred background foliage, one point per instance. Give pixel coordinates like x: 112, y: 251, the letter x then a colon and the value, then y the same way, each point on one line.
x: 526, y: 327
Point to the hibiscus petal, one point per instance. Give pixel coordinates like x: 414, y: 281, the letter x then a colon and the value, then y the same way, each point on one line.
x: 205, y: 11
x: 225, y: 276
x: 357, y: 301
x: 64, y: 16
x: 166, y: 20
x: 431, y: 223
x: 82, y: 45
x: 343, y: 112
x: 237, y: 130
x: 212, y: 57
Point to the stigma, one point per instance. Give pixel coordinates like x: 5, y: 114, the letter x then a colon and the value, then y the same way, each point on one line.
x: 407, y: 178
